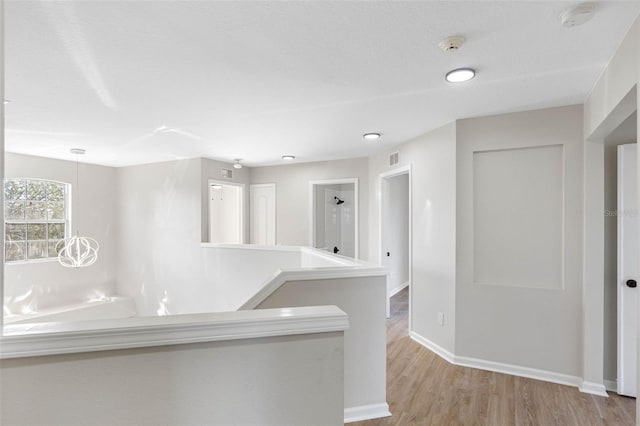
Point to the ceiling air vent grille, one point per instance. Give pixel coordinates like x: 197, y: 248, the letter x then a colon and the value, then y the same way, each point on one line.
x: 226, y: 173
x: 393, y: 159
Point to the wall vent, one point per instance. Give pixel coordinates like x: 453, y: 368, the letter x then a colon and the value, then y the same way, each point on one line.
x: 393, y: 159
x: 226, y: 173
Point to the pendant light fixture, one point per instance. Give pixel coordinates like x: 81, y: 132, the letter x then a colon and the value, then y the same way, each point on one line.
x: 77, y: 251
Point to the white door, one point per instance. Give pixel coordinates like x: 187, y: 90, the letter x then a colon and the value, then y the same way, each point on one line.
x: 627, y: 215
x: 263, y: 214
x: 225, y: 213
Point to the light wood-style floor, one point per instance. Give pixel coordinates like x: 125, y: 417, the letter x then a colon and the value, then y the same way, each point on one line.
x: 424, y: 389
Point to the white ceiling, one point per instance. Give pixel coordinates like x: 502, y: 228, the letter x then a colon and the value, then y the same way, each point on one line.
x: 139, y: 82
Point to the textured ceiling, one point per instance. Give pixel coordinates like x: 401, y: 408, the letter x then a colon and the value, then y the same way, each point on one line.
x: 138, y: 82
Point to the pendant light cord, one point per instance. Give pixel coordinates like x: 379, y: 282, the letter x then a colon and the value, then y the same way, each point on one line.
x: 78, y: 188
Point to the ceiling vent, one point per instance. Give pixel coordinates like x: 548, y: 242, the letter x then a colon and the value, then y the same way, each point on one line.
x: 226, y: 173
x: 393, y: 159
x: 451, y: 44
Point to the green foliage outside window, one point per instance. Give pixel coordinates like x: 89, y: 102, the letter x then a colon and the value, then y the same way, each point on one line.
x: 35, y: 214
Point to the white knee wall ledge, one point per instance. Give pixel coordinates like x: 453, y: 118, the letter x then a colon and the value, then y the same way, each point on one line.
x: 514, y: 370
x: 28, y: 340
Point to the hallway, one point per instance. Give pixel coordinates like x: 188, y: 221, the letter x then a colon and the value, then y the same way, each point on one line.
x: 423, y: 389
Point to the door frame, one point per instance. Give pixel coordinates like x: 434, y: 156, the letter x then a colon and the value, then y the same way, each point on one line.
x: 275, y: 207
x: 241, y: 201
x: 312, y: 208
x: 593, y: 254
x: 381, y: 178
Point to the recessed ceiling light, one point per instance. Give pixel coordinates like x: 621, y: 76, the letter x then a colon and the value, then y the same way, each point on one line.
x: 371, y: 136
x: 237, y: 164
x: 461, y: 74
x: 288, y: 157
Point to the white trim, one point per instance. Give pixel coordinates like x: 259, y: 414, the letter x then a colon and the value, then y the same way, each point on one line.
x: 593, y: 388
x: 29, y: 340
x: 251, y: 247
x: 406, y: 169
x: 398, y: 289
x: 611, y: 385
x: 517, y: 370
x: 304, y: 274
x: 366, y: 412
x: 339, y: 260
x: 514, y: 370
x: 312, y: 208
x: 433, y: 347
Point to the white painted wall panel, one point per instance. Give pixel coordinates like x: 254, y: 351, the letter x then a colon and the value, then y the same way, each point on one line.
x: 364, y: 301
x: 266, y: 381
x: 518, y: 217
x: 511, y: 324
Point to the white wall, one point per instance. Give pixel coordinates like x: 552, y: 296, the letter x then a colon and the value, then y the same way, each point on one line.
x: 395, y: 230
x: 282, y: 380
x: 364, y: 301
x: 292, y: 187
x: 615, y: 83
x: 433, y: 160
x: 161, y: 262
x: 2, y: 156
x: 42, y: 284
x: 159, y: 233
x: 518, y: 322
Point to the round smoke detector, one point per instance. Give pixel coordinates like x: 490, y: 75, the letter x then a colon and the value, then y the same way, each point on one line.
x: 578, y: 15
x: 452, y: 43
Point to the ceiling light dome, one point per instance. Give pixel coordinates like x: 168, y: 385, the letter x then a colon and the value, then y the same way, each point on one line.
x: 288, y: 157
x: 577, y: 15
x: 237, y: 164
x: 371, y: 136
x: 460, y: 74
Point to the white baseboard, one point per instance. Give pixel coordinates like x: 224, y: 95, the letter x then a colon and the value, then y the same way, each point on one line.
x: 611, y: 385
x: 517, y: 370
x: 433, y: 347
x: 398, y: 289
x: 366, y: 412
x: 514, y: 370
x: 593, y: 388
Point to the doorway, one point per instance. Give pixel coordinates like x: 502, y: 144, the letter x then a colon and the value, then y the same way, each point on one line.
x: 226, y: 212
x: 395, y: 231
x: 334, y: 216
x: 620, y: 257
x: 600, y: 281
x: 262, y: 213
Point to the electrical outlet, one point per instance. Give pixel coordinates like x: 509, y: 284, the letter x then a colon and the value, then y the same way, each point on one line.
x: 441, y: 318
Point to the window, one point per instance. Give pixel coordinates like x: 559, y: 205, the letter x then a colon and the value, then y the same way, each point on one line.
x: 36, y: 218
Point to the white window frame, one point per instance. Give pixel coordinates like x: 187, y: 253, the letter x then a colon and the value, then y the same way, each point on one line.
x: 66, y: 220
